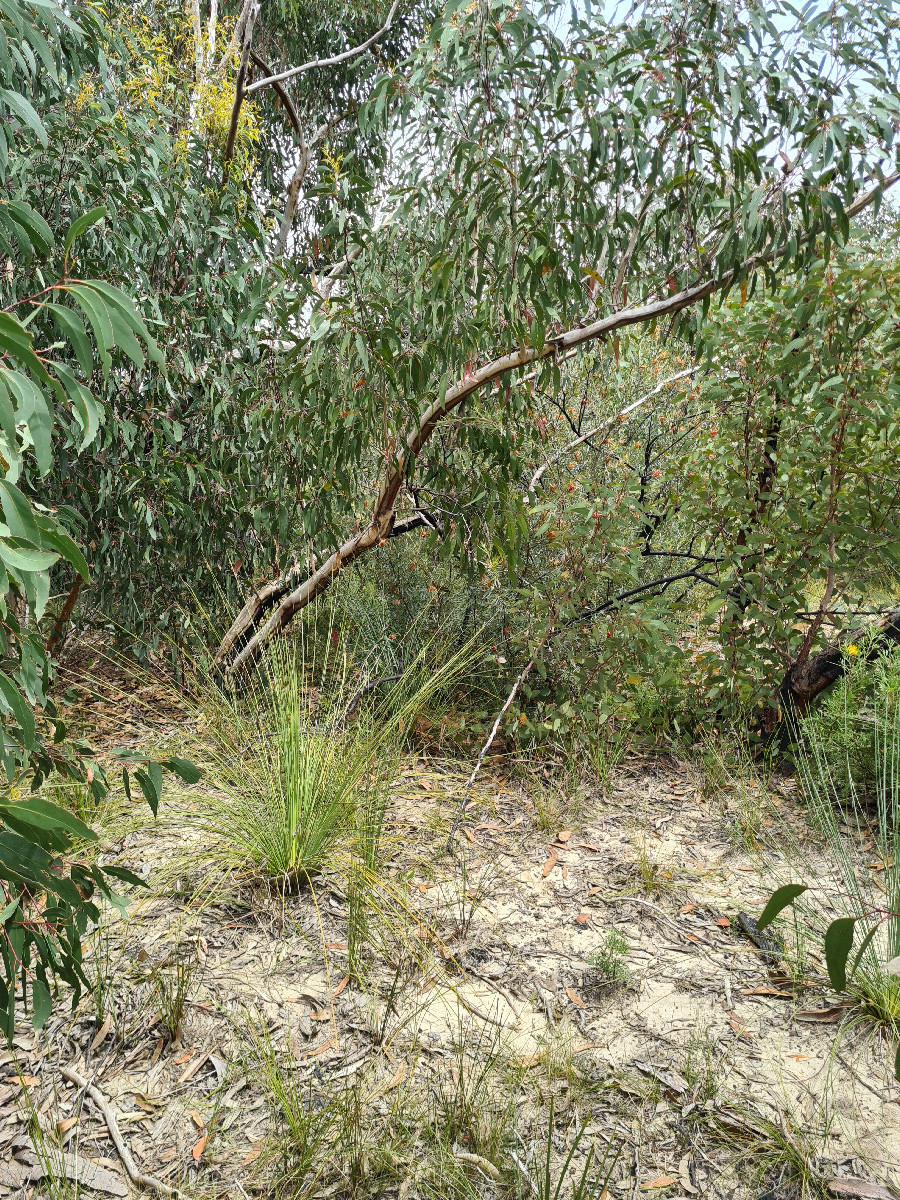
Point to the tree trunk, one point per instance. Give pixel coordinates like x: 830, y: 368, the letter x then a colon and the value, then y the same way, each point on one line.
x: 812, y: 675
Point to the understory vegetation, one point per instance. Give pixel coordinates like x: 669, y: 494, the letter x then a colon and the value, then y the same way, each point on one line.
x: 450, y: 622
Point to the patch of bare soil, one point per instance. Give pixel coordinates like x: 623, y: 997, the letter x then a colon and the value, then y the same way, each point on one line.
x: 713, y: 1070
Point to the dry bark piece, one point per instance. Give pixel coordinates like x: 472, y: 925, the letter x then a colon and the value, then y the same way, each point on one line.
x: 79, y: 1170
x: 670, y: 1080
x: 860, y: 1189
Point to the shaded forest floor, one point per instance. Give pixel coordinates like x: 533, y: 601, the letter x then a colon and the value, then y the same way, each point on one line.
x: 576, y: 964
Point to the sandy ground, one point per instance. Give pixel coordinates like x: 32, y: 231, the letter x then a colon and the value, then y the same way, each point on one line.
x: 706, y: 1069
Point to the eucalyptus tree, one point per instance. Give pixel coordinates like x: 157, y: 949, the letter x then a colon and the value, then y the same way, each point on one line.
x: 554, y: 178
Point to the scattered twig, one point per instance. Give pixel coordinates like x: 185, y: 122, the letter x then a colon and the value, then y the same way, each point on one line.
x: 484, y: 749
x: 136, y: 1176
x: 610, y: 424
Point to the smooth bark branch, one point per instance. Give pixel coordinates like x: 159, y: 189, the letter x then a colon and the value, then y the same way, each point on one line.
x: 292, y: 72
x: 248, y: 637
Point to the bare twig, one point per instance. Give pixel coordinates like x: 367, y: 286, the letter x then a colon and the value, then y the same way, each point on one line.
x: 610, y: 424
x: 136, y: 1176
x: 313, y: 64
x: 520, y: 678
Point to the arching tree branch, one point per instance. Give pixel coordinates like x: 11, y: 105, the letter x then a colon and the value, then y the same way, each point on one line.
x: 246, y: 636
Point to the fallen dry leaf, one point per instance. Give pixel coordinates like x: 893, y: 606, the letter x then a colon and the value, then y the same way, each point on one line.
x: 340, y: 987
x: 723, y: 922
x: 28, y: 1080
x: 574, y: 997
x: 395, y: 1081
x: 687, y: 908
x: 321, y: 1048
x: 198, y: 1148
x: 684, y: 1175
x: 764, y: 990
x: 182, y: 1058
x: 582, y: 918
x: 564, y: 835
x: 531, y: 1060
x: 253, y: 1154
x: 550, y: 863
x: 197, y: 1119
x: 663, y: 1181
x: 826, y: 1016
x: 594, y: 891
x: 797, y: 1057
x: 335, y: 945
x: 101, y: 1033
x: 470, y: 835
x: 589, y: 846
x: 321, y: 1014
x: 860, y: 1189
x: 738, y: 1026
x: 66, y: 1125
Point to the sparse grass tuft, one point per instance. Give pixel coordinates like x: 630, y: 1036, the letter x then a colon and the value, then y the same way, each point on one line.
x: 174, y: 982
x: 611, y: 960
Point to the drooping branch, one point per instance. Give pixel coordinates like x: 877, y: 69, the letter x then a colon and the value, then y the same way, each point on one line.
x: 335, y: 60
x: 247, y: 636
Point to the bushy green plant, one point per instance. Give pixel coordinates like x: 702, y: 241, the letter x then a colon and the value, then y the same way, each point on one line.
x: 611, y: 960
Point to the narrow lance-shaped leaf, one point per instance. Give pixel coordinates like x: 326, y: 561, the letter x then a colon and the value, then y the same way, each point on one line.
x: 778, y: 901
x: 838, y: 943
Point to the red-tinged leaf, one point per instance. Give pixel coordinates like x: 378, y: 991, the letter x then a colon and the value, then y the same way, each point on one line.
x: 574, y: 997
x: 723, y: 922
x: 340, y: 987
x: 199, y: 1147
x: 582, y: 918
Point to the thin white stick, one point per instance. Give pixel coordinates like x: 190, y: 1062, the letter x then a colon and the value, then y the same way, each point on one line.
x: 292, y: 72
x: 136, y: 1176
x: 586, y: 437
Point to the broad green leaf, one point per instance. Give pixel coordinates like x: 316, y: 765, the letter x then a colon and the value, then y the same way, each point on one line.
x: 838, y: 944
x: 779, y: 900
x: 87, y: 410
x: 80, y: 224
x: 68, y: 549
x: 44, y: 815
x: 25, y: 558
x: 95, y: 311
x: 125, y: 875
x: 19, y: 707
x: 72, y: 328
x: 39, y: 232
x: 184, y: 768
x: 20, y: 107
x: 18, y: 513
x: 41, y: 1003
x: 152, y: 793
